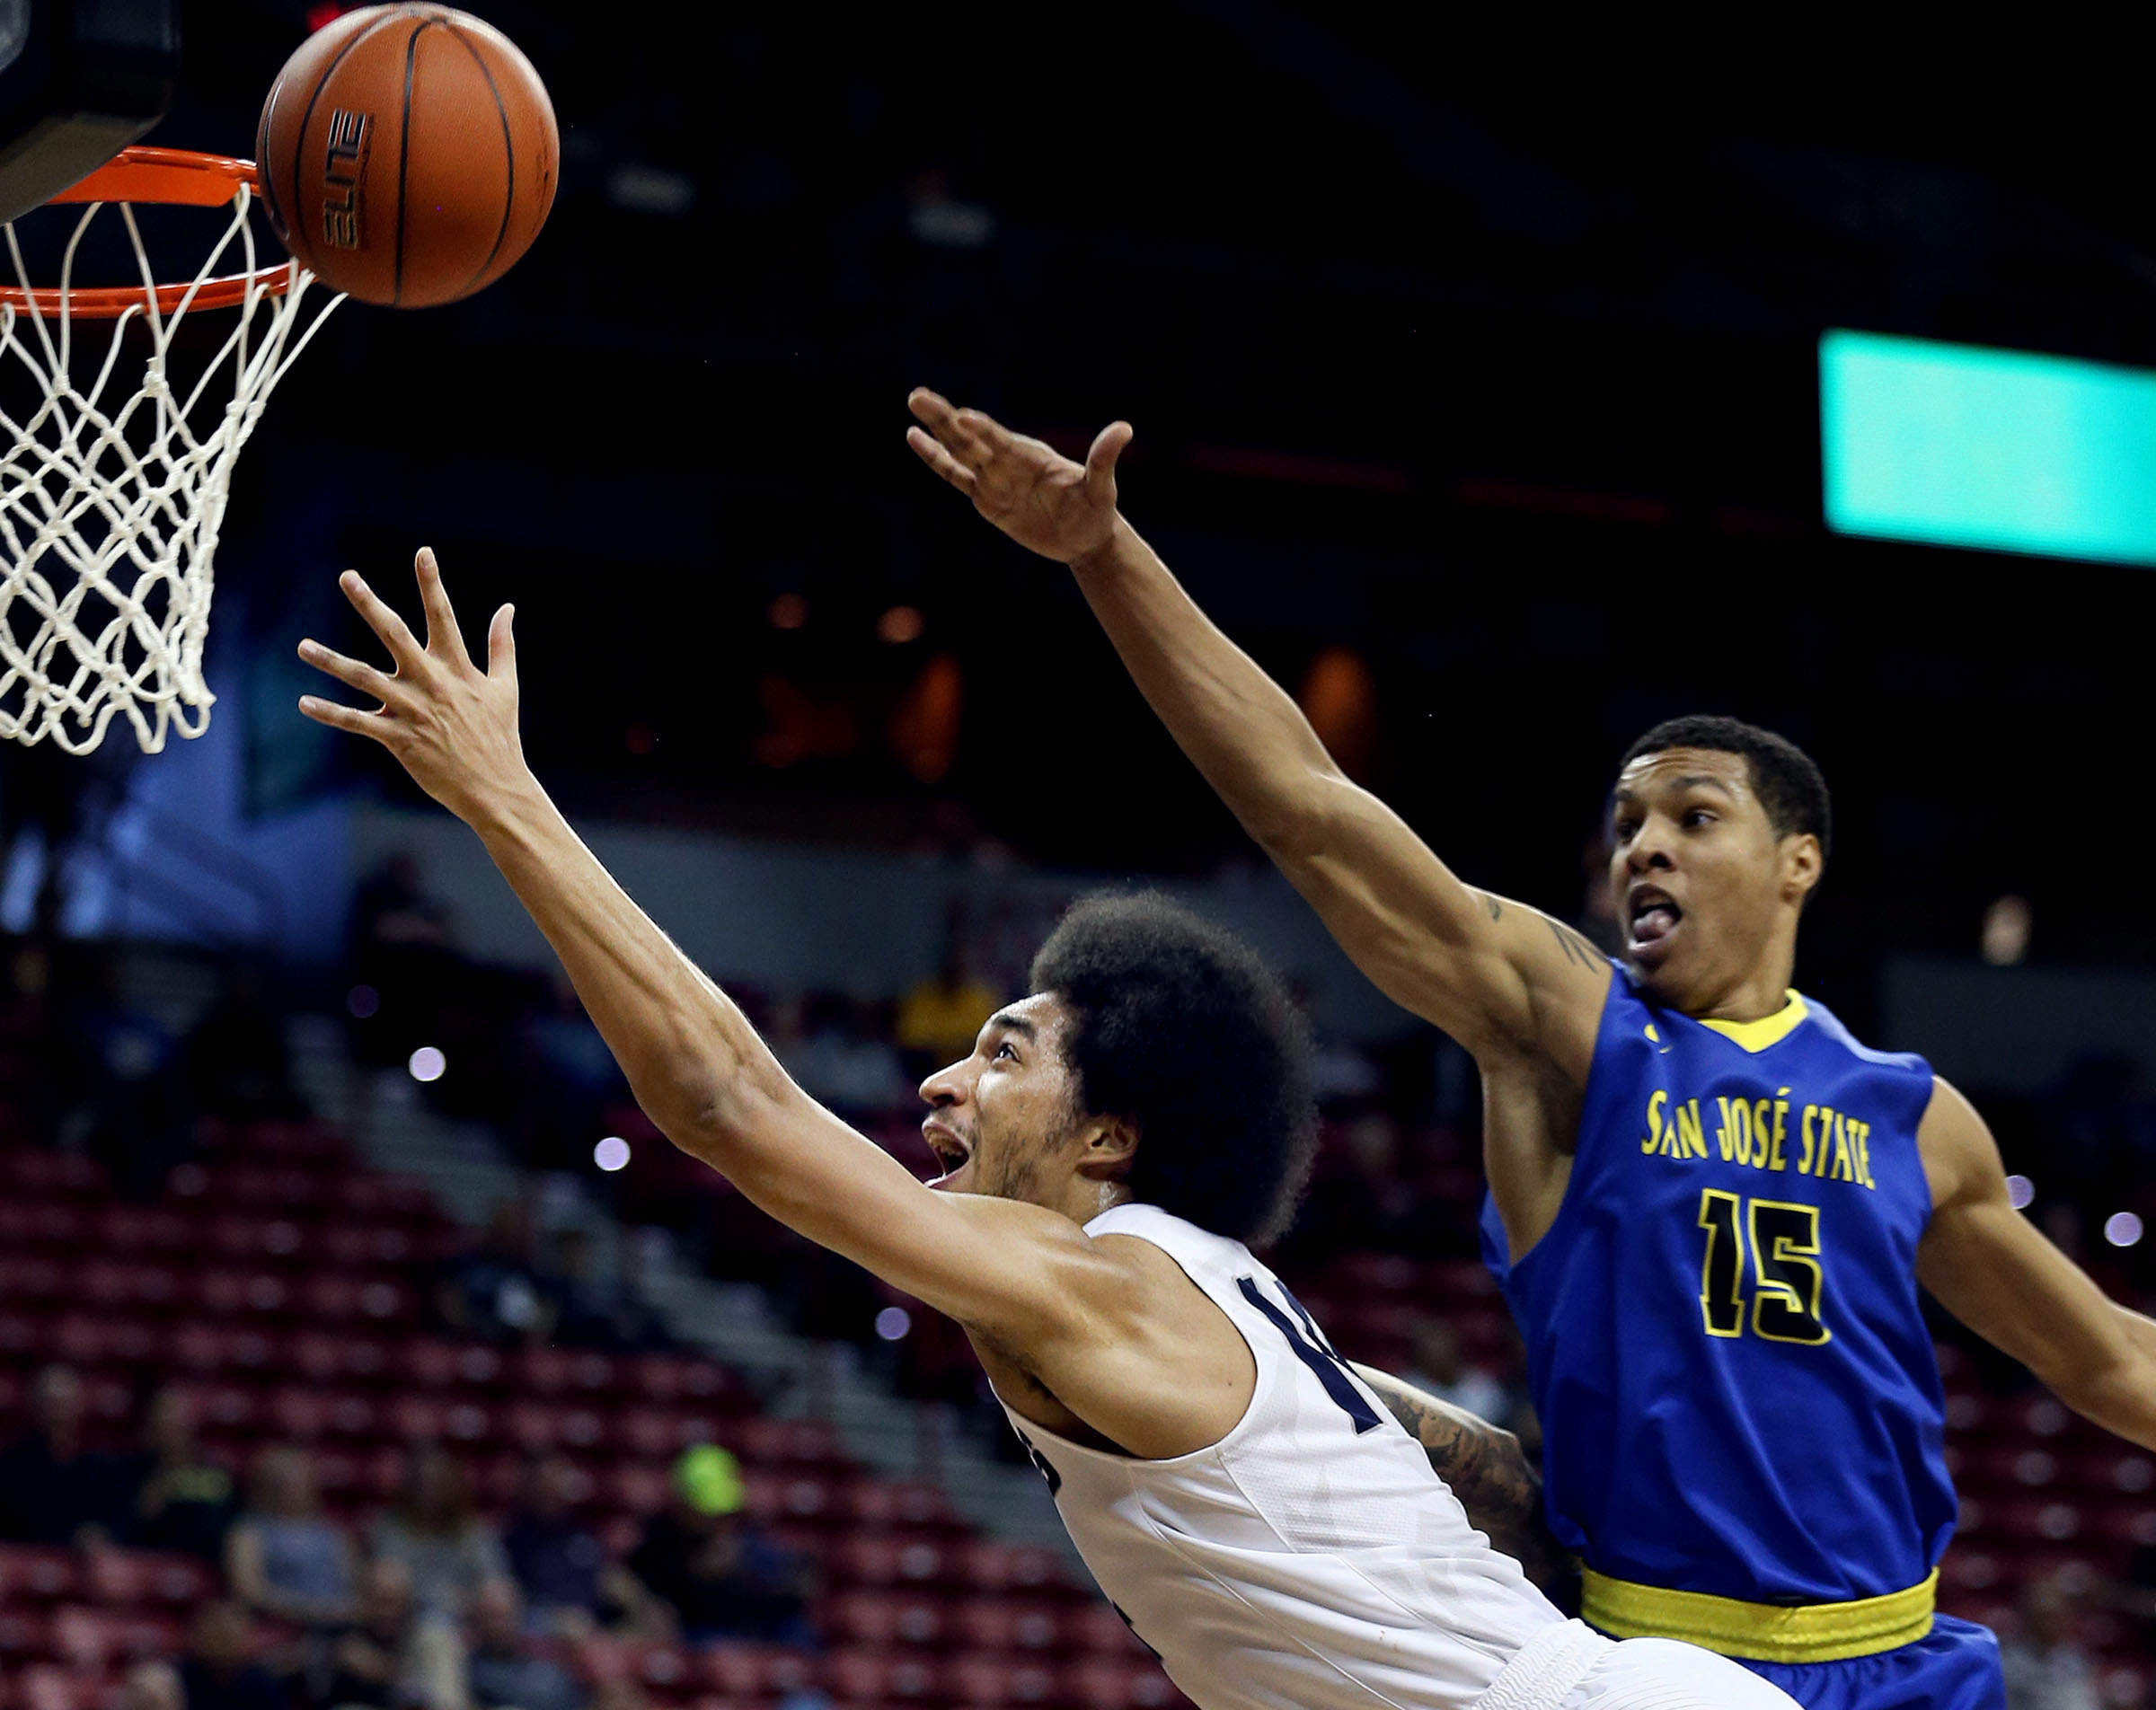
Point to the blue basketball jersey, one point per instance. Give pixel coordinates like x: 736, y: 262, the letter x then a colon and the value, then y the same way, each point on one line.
x: 1737, y: 1392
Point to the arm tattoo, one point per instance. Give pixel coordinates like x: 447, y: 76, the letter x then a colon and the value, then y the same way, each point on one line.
x: 1575, y: 947
x: 1486, y: 1469
x: 1495, y: 908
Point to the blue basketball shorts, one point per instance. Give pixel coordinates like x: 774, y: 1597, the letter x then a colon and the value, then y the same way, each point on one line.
x: 1954, y: 1667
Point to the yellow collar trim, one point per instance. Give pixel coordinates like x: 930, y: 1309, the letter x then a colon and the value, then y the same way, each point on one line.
x: 1759, y: 1632
x: 1757, y: 1035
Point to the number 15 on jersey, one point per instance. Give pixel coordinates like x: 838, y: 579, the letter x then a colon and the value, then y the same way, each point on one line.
x: 1787, y: 1281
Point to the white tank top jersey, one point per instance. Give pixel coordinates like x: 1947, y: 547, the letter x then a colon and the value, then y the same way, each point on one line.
x: 1309, y: 1560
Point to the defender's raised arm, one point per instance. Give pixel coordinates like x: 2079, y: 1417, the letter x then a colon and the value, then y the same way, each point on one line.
x: 1501, y: 978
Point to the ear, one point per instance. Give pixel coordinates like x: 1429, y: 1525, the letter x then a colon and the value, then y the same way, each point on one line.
x: 1802, y: 865
x: 1109, y: 1144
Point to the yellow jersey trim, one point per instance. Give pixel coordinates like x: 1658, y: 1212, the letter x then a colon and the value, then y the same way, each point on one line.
x: 1757, y: 1035
x: 1759, y: 1632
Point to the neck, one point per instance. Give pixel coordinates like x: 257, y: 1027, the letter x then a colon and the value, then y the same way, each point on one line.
x: 1754, y: 1000
x: 1087, y: 1198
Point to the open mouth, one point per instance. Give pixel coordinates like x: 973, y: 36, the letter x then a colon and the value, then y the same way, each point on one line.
x: 1654, y: 916
x: 952, y: 1151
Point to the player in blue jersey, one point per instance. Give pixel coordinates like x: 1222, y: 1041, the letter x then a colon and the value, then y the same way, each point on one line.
x: 1710, y: 1208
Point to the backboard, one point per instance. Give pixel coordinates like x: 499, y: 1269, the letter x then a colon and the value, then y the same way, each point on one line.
x: 79, y: 80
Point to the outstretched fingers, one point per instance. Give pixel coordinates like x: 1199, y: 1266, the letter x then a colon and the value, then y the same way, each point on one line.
x: 354, y: 673
x: 342, y: 717
x: 968, y: 434
x: 930, y: 450
x: 442, y: 632
x: 396, y: 635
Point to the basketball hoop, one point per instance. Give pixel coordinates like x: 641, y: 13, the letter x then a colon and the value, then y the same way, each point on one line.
x: 111, y: 497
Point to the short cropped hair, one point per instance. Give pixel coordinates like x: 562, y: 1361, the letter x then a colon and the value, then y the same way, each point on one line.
x: 1791, y: 788
x: 1179, y: 1028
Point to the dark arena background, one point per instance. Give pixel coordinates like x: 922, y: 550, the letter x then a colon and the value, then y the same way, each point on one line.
x: 1477, y: 378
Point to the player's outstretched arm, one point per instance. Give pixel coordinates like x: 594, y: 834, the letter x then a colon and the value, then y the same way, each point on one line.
x: 1992, y: 1269
x: 696, y: 1066
x: 1495, y: 975
x: 1485, y: 1467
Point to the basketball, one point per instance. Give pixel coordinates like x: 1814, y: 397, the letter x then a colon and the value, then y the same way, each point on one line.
x: 408, y: 155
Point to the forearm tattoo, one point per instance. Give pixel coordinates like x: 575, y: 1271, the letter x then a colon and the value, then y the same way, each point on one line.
x: 1485, y: 1467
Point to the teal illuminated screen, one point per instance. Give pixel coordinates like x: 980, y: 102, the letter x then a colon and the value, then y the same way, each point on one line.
x: 1960, y: 446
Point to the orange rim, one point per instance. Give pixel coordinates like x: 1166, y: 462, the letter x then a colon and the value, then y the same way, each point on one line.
x: 172, y: 177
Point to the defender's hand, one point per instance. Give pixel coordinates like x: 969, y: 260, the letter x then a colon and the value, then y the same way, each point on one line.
x: 1039, y: 497
x: 451, y: 724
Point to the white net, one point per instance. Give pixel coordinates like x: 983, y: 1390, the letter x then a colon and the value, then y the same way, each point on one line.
x: 114, y: 483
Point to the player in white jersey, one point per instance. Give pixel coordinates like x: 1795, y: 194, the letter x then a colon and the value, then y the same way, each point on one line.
x: 1265, y: 1525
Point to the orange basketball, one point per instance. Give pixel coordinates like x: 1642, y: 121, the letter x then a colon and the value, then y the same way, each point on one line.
x: 408, y: 155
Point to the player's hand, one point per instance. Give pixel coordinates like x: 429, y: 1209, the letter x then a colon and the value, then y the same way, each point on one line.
x: 451, y: 724
x: 1039, y: 497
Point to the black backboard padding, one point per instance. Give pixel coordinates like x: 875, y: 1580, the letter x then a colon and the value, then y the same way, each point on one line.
x: 79, y: 81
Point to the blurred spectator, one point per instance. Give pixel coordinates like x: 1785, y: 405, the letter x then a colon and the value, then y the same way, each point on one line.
x: 154, y: 1685
x: 840, y: 1054
x: 505, y: 1671
x: 561, y: 1567
x: 181, y: 1500
x: 234, y: 1062
x: 447, y: 1552
x: 282, y: 1559
x: 391, y: 1657
x: 2047, y: 1669
x: 52, y: 1489
x: 723, y: 1579
x: 124, y: 1094
x: 593, y: 1309
x: 940, y: 1019
x: 402, y: 957
x: 493, y: 1291
x: 1437, y: 1365
x: 219, y: 1671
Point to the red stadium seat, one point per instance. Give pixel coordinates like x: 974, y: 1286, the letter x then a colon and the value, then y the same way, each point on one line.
x: 989, y: 1566
x: 986, y: 1678
x: 46, y: 1687
x: 25, y: 1279
x: 1095, y: 1626
x: 858, y: 1673
x: 142, y: 1231
x: 640, y: 1490
x: 355, y: 1245
x: 119, y: 1578
x: 427, y: 1362
x: 36, y: 1574
x: 22, y: 1634
x: 343, y: 1297
x: 870, y: 1502
x: 1097, y: 1685
x: 581, y: 1428
x: 466, y: 1422
x: 21, y: 1336
x: 333, y: 1357
x: 532, y: 1426
x: 36, y: 1173
x: 296, y: 1414
x: 800, y: 1500
x: 85, y: 1339
x: 803, y: 1442
x: 648, y: 1434
x: 754, y: 1671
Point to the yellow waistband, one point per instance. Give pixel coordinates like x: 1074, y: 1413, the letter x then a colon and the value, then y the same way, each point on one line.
x: 1762, y: 1632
